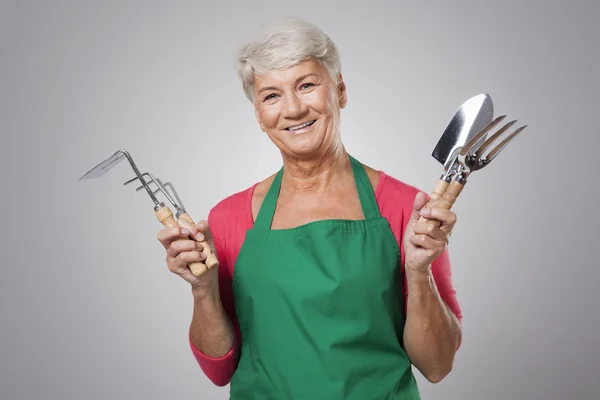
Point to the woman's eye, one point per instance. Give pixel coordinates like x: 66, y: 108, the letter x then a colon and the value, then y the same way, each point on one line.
x: 270, y: 96
x: 306, y: 85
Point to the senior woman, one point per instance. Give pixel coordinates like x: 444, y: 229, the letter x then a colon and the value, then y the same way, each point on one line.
x: 328, y: 286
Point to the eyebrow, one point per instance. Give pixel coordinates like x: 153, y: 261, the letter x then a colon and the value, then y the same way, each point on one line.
x: 295, y: 82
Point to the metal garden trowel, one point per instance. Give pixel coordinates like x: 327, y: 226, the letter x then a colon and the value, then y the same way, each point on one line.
x: 472, y: 116
x: 163, y: 213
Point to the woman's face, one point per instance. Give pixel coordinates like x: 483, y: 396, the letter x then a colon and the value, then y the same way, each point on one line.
x: 299, y: 108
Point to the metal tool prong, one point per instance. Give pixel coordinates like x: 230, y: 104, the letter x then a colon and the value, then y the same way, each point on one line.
x: 482, y: 160
x: 178, y: 209
x: 473, y: 159
x: 476, y: 155
x: 177, y: 203
x: 465, y: 154
x: 170, y: 185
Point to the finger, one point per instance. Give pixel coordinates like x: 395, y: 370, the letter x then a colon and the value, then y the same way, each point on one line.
x: 176, y: 264
x: 446, y: 217
x: 421, y: 200
x: 427, y: 242
x: 430, y: 230
x: 190, y: 257
x: 194, y: 233
x: 183, y: 245
x: 181, y: 263
x: 204, y: 228
x: 167, y: 236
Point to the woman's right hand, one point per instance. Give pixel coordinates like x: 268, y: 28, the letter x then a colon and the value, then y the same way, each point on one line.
x: 183, y: 251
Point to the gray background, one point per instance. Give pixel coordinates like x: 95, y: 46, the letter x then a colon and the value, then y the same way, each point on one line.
x: 88, y: 308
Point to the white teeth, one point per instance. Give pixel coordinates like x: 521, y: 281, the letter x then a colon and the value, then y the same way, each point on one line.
x: 293, y: 128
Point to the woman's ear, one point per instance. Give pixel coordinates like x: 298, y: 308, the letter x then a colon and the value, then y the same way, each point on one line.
x: 342, y: 92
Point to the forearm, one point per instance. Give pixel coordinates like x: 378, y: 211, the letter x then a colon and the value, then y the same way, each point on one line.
x: 211, y: 329
x: 432, y: 333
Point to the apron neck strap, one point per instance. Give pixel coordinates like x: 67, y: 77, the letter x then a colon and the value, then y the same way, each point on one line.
x: 365, y: 190
x: 267, y: 208
x: 363, y: 185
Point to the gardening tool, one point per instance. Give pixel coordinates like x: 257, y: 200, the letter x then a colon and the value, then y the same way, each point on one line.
x: 474, y: 156
x: 471, y: 117
x: 180, y: 212
x: 162, y: 212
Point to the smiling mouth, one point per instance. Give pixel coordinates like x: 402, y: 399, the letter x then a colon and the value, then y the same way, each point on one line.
x: 301, y: 126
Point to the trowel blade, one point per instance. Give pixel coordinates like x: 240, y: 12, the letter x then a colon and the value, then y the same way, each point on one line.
x: 472, y: 116
x: 104, y: 166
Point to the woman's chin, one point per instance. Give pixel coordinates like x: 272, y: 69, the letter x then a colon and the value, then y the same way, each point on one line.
x: 305, y: 152
x: 305, y: 144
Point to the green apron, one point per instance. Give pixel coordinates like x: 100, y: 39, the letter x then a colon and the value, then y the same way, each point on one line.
x: 320, y: 308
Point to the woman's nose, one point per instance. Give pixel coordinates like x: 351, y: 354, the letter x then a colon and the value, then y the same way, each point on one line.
x: 293, y: 107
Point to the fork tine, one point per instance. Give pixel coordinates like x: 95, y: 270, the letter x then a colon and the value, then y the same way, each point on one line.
x: 131, y: 180
x: 161, y: 188
x: 497, y: 149
x: 136, y: 178
x: 174, y: 192
x: 479, y: 152
x: 141, y: 187
x: 164, y: 191
x: 475, y: 139
x: 147, y: 182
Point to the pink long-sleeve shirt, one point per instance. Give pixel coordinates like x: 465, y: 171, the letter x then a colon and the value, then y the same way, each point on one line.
x: 232, y: 217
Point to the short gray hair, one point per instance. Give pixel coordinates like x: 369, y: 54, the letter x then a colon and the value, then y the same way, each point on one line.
x: 282, y: 45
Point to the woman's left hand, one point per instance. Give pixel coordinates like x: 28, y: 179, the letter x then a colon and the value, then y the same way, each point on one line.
x: 423, y: 241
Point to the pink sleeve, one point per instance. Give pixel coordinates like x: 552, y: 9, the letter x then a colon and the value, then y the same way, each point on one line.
x: 220, y: 370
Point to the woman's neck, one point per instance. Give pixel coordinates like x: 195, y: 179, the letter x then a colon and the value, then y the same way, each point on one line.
x: 316, y: 174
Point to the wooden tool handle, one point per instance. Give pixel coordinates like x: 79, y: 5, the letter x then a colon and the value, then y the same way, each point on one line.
x: 439, y: 189
x: 448, y: 198
x: 211, y: 259
x: 165, y: 216
x: 450, y: 195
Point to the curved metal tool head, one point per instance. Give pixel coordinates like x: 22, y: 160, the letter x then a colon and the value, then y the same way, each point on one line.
x: 481, y: 160
x: 472, y: 156
x: 478, y: 151
x: 472, y: 116
x: 471, y: 147
x: 108, y: 164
